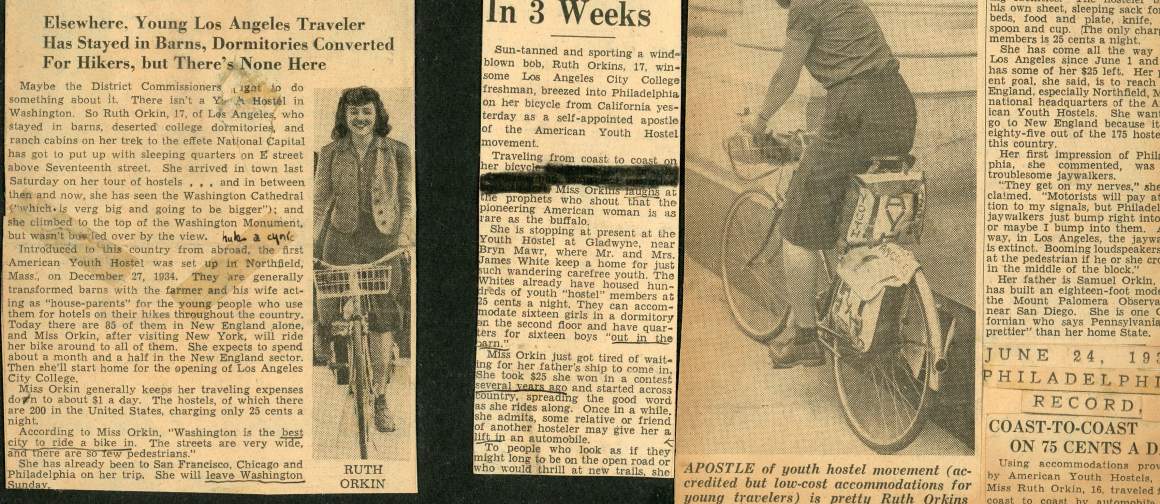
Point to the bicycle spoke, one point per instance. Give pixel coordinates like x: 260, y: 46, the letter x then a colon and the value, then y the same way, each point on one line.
x: 893, y: 373
x: 911, y: 391
x: 892, y: 390
x: 887, y: 379
x: 769, y: 287
x: 877, y: 389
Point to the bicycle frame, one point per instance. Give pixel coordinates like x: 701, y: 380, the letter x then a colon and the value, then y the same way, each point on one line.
x: 773, y: 180
x: 353, y: 284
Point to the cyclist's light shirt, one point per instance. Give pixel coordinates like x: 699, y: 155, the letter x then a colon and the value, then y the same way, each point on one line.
x: 845, y: 39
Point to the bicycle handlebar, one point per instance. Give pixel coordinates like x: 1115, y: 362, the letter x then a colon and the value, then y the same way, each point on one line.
x: 319, y: 264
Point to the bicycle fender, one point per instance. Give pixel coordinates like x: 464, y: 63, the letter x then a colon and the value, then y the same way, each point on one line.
x: 942, y: 341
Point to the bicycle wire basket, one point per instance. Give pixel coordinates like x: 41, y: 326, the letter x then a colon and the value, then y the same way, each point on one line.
x: 763, y: 153
x: 355, y: 280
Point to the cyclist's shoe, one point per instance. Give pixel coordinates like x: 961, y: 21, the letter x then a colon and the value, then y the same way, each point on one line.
x: 383, y: 420
x: 795, y: 354
x: 802, y: 350
x: 805, y: 335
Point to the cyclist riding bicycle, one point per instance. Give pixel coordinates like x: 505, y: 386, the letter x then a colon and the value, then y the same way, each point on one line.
x: 869, y: 112
x: 364, y: 207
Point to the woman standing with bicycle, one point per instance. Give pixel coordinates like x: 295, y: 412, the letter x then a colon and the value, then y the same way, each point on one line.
x: 364, y: 208
x: 869, y: 112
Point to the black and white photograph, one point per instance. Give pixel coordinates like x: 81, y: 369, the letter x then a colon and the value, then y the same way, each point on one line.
x: 829, y: 228
x: 364, y: 242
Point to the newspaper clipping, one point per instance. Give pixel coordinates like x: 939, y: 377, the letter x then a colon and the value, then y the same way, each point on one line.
x: 578, y: 246
x: 1072, y: 305
x: 159, y: 317
x: 870, y: 395
x: 916, y: 259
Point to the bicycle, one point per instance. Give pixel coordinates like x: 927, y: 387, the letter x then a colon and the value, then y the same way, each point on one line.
x: 349, y: 336
x: 887, y: 352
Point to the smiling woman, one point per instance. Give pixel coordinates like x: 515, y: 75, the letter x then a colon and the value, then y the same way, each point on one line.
x: 364, y: 223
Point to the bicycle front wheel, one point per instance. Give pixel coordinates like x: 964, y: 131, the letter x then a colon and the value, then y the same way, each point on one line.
x: 885, y: 391
x: 751, y: 269
x: 360, y: 371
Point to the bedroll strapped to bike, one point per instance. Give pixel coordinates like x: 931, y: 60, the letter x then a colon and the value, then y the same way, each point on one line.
x: 871, y: 281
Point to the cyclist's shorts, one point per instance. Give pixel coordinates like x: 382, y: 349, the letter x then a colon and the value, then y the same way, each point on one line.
x: 365, y: 244
x: 865, y: 117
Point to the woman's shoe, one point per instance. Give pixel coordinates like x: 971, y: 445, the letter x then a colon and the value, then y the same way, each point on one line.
x: 795, y: 354
x: 801, y: 350
x: 383, y: 420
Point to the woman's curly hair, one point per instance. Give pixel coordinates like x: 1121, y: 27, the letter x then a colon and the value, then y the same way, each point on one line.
x: 360, y: 96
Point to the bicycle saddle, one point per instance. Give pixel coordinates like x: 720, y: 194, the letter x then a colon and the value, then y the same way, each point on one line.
x: 891, y: 164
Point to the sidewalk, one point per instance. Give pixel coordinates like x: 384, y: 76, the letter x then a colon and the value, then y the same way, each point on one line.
x: 335, y: 427
x: 740, y: 405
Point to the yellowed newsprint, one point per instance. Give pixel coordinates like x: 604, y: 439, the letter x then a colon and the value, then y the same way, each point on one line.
x: 975, y: 317
x: 579, y: 146
x: 172, y: 170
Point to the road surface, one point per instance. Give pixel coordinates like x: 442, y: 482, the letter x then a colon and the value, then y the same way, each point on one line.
x: 335, y: 429
x: 737, y: 404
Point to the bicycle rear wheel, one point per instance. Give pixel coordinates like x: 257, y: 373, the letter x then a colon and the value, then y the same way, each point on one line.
x: 360, y: 369
x: 885, y: 392
x: 751, y: 269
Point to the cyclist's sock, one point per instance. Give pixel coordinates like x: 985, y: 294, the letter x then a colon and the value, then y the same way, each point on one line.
x: 383, y: 420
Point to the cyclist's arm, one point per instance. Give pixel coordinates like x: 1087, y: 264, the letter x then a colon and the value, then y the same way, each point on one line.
x: 406, y: 196
x: 322, y: 195
x: 785, y: 78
